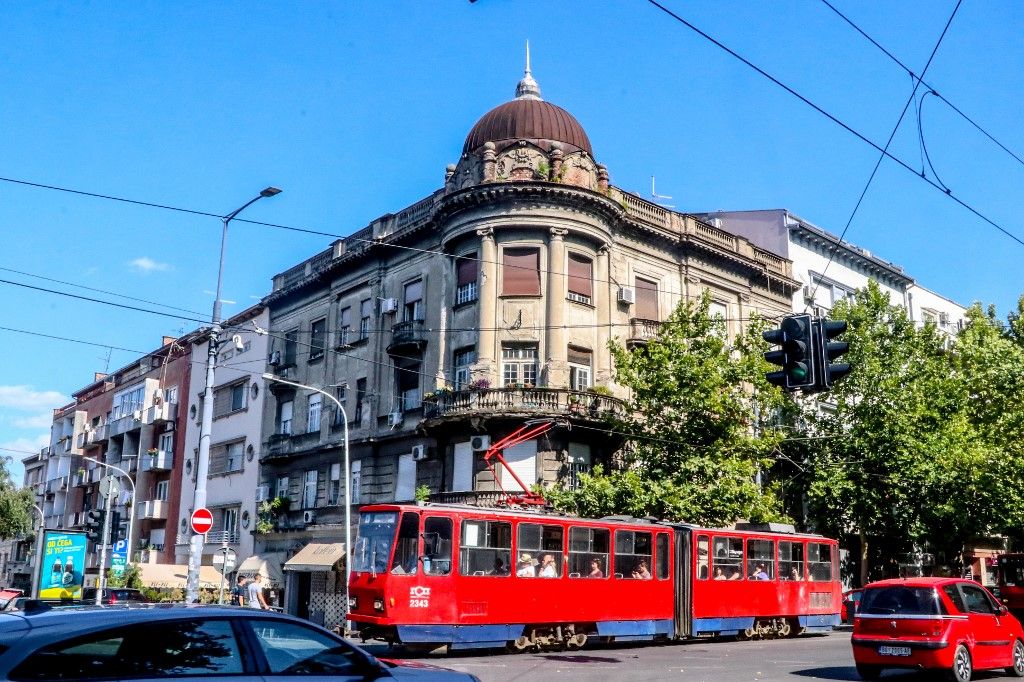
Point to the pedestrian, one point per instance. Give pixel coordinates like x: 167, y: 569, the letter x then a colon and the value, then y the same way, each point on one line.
x: 255, y: 590
x: 238, y: 592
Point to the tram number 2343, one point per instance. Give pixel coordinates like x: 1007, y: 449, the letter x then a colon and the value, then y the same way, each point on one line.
x: 419, y: 597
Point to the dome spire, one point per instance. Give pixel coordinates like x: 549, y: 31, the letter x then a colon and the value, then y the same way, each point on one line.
x: 528, y: 88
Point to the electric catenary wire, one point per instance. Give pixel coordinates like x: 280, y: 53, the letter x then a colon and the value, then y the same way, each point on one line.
x: 881, y: 157
x: 838, y: 122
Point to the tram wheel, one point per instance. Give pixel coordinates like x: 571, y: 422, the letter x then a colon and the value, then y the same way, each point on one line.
x: 522, y: 644
x: 785, y: 629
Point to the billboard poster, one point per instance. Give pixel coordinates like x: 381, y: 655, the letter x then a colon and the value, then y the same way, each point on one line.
x: 62, y: 568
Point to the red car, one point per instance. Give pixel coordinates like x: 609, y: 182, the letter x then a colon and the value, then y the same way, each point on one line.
x: 935, y: 623
x: 849, y: 607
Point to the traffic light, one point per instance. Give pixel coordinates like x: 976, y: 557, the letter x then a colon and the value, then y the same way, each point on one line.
x: 94, y: 524
x: 116, y: 530
x: 796, y: 356
x: 830, y: 350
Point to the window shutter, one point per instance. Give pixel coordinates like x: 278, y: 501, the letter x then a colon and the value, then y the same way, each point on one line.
x: 521, y: 272
x: 414, y: 291
x: 222, y: 401
x: 581, y: 275
x: 646, y: 299
x: 466, y: 270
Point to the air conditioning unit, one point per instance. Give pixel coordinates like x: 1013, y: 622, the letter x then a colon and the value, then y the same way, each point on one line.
x: 275, y: 358
x: 137, y: 414
x: 395, y: 419
x: 419, y: 452
x: 262, y: 493
x: 808, y: 293
x: 388, y: 305
x: 627, y: 295
x: 308, y: 517
x: 480, y: 443
x: 943, y: 318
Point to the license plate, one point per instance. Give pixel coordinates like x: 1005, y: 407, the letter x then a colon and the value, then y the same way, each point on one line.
x: 894, y: 650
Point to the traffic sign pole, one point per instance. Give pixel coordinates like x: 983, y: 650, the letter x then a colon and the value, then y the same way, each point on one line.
x: 102, y: 582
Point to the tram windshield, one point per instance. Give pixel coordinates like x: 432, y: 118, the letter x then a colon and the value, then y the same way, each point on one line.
x: 374, y: 540
x: 1011, y: 570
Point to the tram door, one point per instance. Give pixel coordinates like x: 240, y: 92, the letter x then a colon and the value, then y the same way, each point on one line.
x: 683, y: 582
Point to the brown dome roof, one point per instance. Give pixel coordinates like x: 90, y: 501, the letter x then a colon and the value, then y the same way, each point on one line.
x: 528, y: 119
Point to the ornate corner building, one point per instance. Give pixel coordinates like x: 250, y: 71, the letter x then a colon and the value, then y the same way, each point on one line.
x: 488, y: 303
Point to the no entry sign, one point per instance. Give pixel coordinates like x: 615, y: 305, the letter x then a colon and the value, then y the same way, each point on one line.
x: 202, y: 521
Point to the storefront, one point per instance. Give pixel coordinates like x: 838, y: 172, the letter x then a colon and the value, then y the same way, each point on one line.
x: 315, y: 584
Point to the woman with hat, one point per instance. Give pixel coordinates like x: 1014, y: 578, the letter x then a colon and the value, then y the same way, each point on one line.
x: 527, y: 566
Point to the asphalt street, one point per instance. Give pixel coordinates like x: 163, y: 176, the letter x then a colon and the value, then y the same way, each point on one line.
x: 820, y: 657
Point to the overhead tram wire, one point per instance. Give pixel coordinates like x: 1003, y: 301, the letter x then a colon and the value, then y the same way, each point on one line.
x: 837, y: 121
x: 319, y: 233
x: 881, y: 157
x: 935, y: 92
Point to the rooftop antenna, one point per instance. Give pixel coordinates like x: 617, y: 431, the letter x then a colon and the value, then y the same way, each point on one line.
x: 656, y: 196
x: 106, y: 364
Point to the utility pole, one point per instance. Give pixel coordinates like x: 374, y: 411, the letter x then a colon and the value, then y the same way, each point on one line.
x: 195, y: 552
x: 110, y: 486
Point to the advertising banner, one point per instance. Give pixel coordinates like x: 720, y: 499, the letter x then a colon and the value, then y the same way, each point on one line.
x: 62, y: 568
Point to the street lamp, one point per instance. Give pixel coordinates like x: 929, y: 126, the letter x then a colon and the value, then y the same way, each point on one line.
x: 102, y: 582
x: 348, y: 478
x: 195, y: 553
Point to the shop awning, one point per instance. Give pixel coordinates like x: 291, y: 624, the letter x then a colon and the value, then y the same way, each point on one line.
x: 268, y: 565
x: 316, y: 556
x: 172, y: 575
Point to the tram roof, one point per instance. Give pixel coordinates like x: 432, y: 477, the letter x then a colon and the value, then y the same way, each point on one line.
x: 625, y: 520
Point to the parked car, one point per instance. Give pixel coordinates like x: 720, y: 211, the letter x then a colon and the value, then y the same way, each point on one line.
x: 115, y: 595
x: 946, y: 624
x: 188, y: 642
x: 15, y: 604
x: 849, y: 607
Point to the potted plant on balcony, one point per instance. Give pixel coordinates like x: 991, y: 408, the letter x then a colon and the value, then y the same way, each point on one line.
x: 422, y: 493
x: 478, y: 385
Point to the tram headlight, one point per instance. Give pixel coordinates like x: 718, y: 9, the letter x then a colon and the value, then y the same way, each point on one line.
x: 378, y: 604
x: 352, y: 603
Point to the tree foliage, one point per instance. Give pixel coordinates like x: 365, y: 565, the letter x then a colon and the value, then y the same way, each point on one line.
x: 15, y: 506
x: 693, y: 453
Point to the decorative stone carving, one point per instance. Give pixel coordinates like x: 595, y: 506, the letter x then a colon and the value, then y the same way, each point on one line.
x: 579, y: 169
x: 558, y: 232
x: 602, y: 178
x: 520, y: 163
x: 488, y: 162
x: 485, y: 233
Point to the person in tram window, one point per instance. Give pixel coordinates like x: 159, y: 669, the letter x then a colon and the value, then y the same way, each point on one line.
x: 735, y: 575
x: 719, y: 573
x: 595, y: 569
x: 760, y: 573
x: 499, y: 567
x: 527, y: 566
x: 641, y: 572
x: 547, y: 567
x: 794, y: 573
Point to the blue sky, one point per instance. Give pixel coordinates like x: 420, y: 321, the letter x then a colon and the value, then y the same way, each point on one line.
x: 355, y: 108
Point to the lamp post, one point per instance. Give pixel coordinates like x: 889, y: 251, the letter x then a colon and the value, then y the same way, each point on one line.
x: 348, y: 478
x: 131, y: 517
x: 195, y: 553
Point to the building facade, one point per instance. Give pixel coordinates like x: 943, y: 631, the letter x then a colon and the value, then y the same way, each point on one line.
x: 488, y: 303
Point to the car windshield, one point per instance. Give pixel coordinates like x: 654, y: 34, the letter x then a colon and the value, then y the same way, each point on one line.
x: 900, y: 601
x: 374, y: 540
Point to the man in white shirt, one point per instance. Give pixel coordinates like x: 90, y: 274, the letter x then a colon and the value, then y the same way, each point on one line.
x: 547, y: 567
x: 255, y: 590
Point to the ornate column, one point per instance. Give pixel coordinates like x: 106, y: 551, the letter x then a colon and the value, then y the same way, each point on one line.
x: 554, y: 347
x: 603, y: 308
x: 487, y: 303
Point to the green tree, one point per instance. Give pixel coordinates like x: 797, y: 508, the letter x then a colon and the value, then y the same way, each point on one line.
x: 693, y: 452
x: 15, y: 506
x: 131, y: 576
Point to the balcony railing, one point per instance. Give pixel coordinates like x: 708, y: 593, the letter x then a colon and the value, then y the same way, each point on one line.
x: 406, y: 335
x: 480, y: 498
x: 81, y: 479
x: 546, y: 401
x: 642, y: 331
x: 101, y: 434
x: 162, y: 413
x: 221, y: 536
x: 160, y: 461
x: 153, y: 509
x: 129, y: 422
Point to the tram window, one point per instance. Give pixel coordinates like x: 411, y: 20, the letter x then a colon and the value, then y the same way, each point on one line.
x: 632, y: 554
x: 703, y: 561
x: 661, y: 544
x: 761, y: 559
x: 486, y: 548
x: 791, y: 560
x: 405, y: 559
x: 541, y: 542
x: 819, y: 561
x: 437, y: 545
x: 728, y: 557
x: 586, y: 546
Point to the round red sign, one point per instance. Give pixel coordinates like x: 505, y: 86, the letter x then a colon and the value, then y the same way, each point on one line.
x: 202, y: 520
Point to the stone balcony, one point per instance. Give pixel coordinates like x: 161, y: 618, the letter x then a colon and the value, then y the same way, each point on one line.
x: 527, y: 402
x: 407, y: 336
x: 641, y: 331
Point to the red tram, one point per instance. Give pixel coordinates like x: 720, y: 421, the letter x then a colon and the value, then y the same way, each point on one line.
x: 1011, y: 582
x: 471, y: 577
